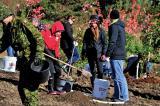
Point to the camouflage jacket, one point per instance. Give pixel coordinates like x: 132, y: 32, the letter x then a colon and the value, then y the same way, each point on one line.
x: 24, y: 38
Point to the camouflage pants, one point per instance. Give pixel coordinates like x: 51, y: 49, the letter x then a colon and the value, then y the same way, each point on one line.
x: 28, y: 89
x: 28, y: 93
x: 31, y: 97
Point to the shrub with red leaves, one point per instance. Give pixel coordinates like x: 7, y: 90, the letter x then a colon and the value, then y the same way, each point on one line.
x: 86, y: 7
x: 37, y: 13
x: 32, y: 2
x: 133, y: 24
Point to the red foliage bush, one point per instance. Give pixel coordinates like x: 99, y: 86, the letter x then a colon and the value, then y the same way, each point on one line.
x: 133, y: 24
x: 38, y: 13
x: 32, y: 2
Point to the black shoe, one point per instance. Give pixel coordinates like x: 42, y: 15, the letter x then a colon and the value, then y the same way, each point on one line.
x: 50, y: 89
x: 119, y: 101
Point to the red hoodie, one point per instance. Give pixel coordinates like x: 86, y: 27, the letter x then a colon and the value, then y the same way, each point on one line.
x: 52, y: 42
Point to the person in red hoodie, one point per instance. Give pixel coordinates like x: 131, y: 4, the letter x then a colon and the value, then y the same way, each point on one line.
x: 52, y: 41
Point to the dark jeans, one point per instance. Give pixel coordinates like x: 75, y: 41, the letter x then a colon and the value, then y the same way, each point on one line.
x: 95, y: 63
x: 27, y: 88
x: 55, y: 71
x: 52, y: 82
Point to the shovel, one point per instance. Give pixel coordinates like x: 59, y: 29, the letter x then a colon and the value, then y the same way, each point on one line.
x: 82, y: 71
x: 71, y: 60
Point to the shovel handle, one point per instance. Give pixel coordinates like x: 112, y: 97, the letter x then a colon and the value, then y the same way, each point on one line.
x: 61, y: 61
x: 84, y: 73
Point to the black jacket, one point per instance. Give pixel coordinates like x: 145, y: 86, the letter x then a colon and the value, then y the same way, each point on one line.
x: 67, y: 36
x: 92, y: 47
x: 117, y: 41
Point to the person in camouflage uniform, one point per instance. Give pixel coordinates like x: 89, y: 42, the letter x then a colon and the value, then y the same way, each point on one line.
x: 27, y: 41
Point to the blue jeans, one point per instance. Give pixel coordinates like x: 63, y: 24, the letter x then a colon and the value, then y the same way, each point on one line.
x: 10, y: 51
x: 120, y: 83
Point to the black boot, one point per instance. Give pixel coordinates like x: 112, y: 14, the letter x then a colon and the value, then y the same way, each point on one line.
x: 50, y: 85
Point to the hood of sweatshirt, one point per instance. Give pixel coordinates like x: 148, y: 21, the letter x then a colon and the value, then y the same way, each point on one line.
x: 57, y: 26
x: 120, y: 23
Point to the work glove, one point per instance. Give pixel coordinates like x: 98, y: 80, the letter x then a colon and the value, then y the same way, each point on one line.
x: 64, y: 66
x: 37, y: 61
x: 75, y: 43
x: 107, y: 59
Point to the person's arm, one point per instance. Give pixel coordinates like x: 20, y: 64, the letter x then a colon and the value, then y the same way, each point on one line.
x: 3, y: 44
x: 5, y: 41
x: 36, y: 37
x: 69, y: 32
x: 113, y: 35
x: 83, y: 53
x: 49, y: 42
x: 104, y: 45
x: 57, y: 49
x: 49, y: 52
x: 104, y: 42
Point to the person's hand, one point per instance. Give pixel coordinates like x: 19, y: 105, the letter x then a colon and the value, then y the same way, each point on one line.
x: 107, y: 59
x: 75, y: 43
x: 37, y: 61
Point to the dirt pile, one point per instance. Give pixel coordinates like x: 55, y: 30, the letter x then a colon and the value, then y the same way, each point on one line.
x: 9, y: 94
x: 152, y: 80
x: 81, y: 80
x: 145, y: 87
x: 141, y: 81
x: 76, y: 97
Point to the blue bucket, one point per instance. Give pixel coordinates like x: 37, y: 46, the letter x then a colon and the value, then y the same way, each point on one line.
x: 100, y: 90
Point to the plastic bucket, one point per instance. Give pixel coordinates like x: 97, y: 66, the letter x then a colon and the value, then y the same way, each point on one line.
x: 39, y: 73
x: 1, y: 63
x: 64, y: 85
x: 149, y: 67
x: 9, y: 63
x: 87, y: 68
x: 107, y: 71
x: 100, y: 90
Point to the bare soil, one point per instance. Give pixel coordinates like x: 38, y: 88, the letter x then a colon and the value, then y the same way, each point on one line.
x: 142, y: 91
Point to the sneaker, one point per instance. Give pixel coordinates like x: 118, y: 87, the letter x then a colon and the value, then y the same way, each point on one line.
x: 61, y: 92
x: 118, y: 101
x: 54, y: 93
